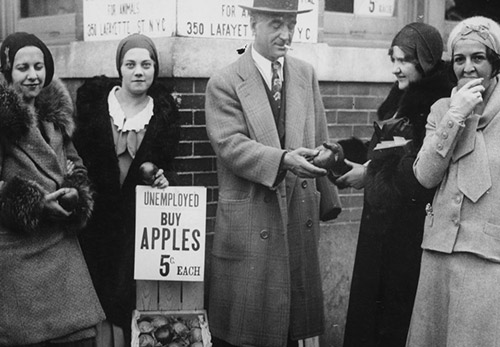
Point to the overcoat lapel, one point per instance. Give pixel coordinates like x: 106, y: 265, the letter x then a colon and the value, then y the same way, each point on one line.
x: 254, y: 101
x: 295, y: 114
x: 41, y: 153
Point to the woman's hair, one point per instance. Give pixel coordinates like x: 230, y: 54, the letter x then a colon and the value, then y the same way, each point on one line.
x: 137, y: 41
x: 13, y: 43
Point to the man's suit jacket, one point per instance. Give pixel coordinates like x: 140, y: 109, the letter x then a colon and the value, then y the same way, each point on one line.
x: 265, y: 278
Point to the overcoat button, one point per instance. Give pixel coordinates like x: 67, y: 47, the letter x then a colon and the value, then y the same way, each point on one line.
x: 444, y: 135
x: 309, y: 223
x: 450, y: 124
x: 439, y: 146
x: 304, y: 184
x: 264, y: 234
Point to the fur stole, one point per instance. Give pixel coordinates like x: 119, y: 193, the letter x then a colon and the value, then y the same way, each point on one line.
x: 53, y: 104
x: 416, y: 101
x: 390, y: 181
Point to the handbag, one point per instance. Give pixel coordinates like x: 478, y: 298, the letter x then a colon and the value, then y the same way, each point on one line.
x: 385, y: 130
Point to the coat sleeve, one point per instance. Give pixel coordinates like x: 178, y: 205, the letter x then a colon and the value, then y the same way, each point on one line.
x: 434, y: 157
x: 230, y: 136
x: 330, y: 206
x: 78, y: 179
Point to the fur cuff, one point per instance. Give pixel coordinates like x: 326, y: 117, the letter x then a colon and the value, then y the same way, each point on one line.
x: 83, y: 210
x: 21, y: 206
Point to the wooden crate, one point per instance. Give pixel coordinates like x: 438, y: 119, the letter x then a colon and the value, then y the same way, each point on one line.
x: 146, y: 325
x: 169, y: 296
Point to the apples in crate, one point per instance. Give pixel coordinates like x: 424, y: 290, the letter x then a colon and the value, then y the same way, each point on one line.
x: 170, y: 329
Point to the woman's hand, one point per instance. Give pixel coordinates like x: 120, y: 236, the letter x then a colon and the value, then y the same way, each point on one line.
x: 51, y: 206
x: 353, y: 178
x: 160, y: 181
x: 467, y: 98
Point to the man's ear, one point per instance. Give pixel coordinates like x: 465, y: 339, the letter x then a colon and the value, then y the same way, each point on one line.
x: 253, y: 23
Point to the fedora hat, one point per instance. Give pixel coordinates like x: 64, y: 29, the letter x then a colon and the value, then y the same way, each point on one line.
x: 276, y: 6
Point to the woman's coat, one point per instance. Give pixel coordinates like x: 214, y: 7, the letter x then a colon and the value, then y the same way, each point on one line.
x: 463, y: 216
x: 388, y: 253
x: 108, y: 239
x: 45, y: 288
x: 265, y: 280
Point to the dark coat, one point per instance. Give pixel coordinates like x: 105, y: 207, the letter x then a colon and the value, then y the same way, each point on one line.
x: 108, y: 240
x: 45, y: 288
x: 388, y: 253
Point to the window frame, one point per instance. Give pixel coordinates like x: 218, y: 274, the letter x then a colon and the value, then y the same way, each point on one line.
x: 54, y: 29
x: 337, y: 29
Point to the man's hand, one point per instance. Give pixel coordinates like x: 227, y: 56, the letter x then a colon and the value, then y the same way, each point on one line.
x: 354, y: 178
x: 299, y: 160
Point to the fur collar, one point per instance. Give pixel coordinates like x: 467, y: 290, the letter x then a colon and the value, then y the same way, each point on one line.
x: 419, y: 97
x: 416, y: 101
x: 53, y: 105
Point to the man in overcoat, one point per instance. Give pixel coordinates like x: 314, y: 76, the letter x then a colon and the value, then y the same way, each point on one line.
x: 264, y: 124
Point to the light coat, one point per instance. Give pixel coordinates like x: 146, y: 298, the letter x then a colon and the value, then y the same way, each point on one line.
x: 266, y: 232
x: 455, y: 223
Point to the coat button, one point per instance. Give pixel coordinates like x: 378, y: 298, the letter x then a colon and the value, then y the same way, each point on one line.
x: 450, y: 124
x: 309, y: 223
x: 264, y: 234
x: 304, y: 184
x: 444, y: 135
x: 458, y: 199
x: 439, y: 146
x: 456, y: 222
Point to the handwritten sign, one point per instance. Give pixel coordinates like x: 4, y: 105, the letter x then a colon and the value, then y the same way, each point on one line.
x: 379, y: 8
x: 170, y: 233
x: 226, y: 19
x: 116, y: 19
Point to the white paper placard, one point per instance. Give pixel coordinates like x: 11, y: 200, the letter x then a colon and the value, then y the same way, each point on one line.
x: 378, y: 8
x: 116, y: 19
x: 227, y: 20
x: 170, y: 233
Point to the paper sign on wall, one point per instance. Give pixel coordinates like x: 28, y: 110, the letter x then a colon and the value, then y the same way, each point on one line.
x: 379, y: 8
x: 227, y: 20
x: 116, y: 19
x: 170, y: 233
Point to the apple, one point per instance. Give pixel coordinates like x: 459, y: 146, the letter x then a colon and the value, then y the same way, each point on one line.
x: 159, y: 321
x: 148, y: 171
x: 146, y: 340
x: 69, y: 200
x: 164, y: 335
x: 180, y: 328
x: 145, y: 326
x: 331, y: 157
x: 195, y: 335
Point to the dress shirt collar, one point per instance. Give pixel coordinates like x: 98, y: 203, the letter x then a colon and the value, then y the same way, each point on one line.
x: 264, y: 66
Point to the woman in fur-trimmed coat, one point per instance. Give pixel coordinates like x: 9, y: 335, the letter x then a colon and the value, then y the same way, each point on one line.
x: 108, y: 241
x: 388, y: 253
x: 46, y: 294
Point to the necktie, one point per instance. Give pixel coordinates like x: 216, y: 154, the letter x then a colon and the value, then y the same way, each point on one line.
x: 276, y: 86
x: 276, y: 83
